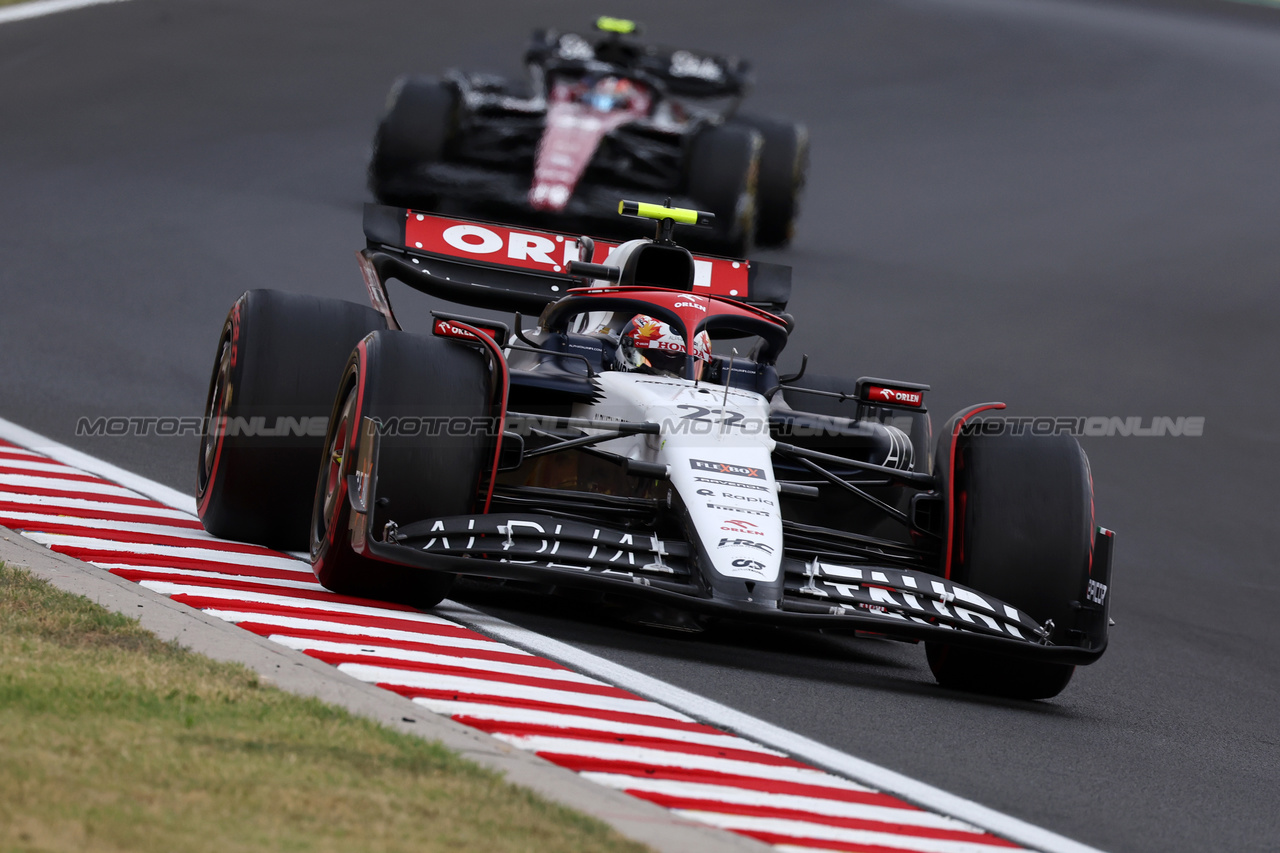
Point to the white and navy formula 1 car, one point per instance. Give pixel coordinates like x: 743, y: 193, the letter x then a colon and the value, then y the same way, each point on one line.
x: 636, y: 440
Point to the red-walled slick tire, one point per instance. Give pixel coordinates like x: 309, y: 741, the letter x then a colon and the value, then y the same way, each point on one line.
x: 408, y: 383
x: 279, y: 359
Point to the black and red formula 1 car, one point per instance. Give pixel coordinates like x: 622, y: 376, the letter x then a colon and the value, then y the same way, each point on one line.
x: 599, y: 117
x: 628, y: 434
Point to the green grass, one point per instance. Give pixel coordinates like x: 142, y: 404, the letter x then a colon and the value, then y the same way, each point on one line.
x: 111, y: 740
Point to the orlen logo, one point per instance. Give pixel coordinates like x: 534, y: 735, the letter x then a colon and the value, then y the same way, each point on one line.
x: 896, y: 396
x: 548, y: 252
x: 738, y: 526
x: 449, y: 330
x: 701, y: 308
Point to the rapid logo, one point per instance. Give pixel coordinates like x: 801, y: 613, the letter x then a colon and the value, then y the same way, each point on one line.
x: 726, y: 468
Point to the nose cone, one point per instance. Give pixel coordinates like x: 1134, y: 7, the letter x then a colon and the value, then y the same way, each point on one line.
x: 732, y: 503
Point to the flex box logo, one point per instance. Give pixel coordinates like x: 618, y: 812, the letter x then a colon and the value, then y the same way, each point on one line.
x: 894, y: 396
x: 726, y: 468
x: 545, y: 251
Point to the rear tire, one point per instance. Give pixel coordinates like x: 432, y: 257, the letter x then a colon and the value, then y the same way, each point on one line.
x: 724, y: 167
x: 421, y: 118
x: 420, y: 476
x: 280, y: 357
x: 784, y: 167
x: 1024, y: 534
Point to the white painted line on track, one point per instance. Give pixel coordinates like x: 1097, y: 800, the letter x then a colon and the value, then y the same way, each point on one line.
x: 401, y: 656
x: 525, y: 716
x: 284, y: 623
x: 10, y: 431
x: 90, y: 544
x: 308, y: 582
x: 37, y: 519
x: 677, y: 701
x: 105, y: 505
x: 40, y: 8
x: 18, y: 481
x: 753, y: 728
x: 802, y: 831
x: 747, y: 797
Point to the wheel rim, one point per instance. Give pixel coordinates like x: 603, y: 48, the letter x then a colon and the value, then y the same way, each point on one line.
x: 335, y: 464
x: 214, y: 411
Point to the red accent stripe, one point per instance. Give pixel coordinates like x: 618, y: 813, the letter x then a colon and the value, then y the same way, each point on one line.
x: 643, y: 741
x: 501, y: 363
x: 820, y: 844
x: 144, y: 560
x: 158, y: 539
x: 552, y: 707
x: 266, y: 589
x: 586, y: 764
x: 93, y: 514
x: 951, y: 477
x: 230, y: 572
x: 40, y: 491
x: 234, y: 320
x: 360, y: 619
x: 337, y: 658
x: 4, y: 443
x: 133, y: 537
x: 71, y: 474
x: 720, y: 807
x: 266, y: 630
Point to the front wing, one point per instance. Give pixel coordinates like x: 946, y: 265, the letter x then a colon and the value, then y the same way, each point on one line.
x: 904, y: 603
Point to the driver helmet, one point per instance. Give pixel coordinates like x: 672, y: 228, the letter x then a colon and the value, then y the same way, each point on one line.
x: 610, y: 93
x: 649, y: 345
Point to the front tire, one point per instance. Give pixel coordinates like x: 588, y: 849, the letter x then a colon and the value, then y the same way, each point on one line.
x: 423, y: 472
x: 280, y: 357
x: 724, y: 167
x: 1024, y: 534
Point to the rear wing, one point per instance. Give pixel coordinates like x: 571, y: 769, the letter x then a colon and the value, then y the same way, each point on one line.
x: 686, y: 73
x: 504, y: 268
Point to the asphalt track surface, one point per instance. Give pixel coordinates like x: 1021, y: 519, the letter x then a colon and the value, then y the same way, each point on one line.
x: 1071, y: 207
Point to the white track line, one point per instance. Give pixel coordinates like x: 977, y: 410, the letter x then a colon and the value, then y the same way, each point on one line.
x: 89, y: 505
x: 749, y: 797
x: 405, y: 658
x: 674, y: 698
x: 284, y: 623
x: 10, y: 431
x: 802, y: 831
x: 508, y: 714
x: 40, y: 8
x: 753, y: 728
